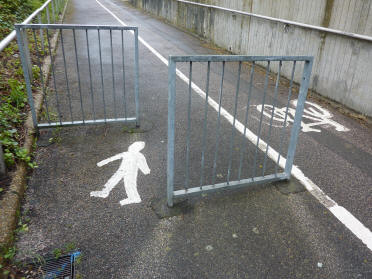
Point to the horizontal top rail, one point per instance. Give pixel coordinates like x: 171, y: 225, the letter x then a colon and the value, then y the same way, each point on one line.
x: 289, y: 22
x: 75, y: 26
x: 237, y: 58
x: 5, y: 42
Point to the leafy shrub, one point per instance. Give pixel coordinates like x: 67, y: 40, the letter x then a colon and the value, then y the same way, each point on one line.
x: 15, y: 11
x: 11, y: 117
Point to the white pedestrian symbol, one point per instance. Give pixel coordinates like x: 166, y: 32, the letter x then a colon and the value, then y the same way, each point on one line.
x: 132, y: 161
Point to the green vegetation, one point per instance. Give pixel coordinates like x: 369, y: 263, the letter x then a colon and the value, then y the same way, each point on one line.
x: 68, y: 248
x: 57, y: 253
x: 15, y: 11
x: 13, y: 109
x: 13, y: 96
x: 7, y: 253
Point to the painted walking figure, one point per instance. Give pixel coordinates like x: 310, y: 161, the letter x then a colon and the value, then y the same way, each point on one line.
x: 132, y: 161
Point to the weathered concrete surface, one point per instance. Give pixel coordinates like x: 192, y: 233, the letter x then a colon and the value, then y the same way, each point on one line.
x: 341, y: 68
x: 268, y: 231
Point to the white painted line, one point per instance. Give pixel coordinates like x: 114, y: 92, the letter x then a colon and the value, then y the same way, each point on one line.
x: 344, y: 216
x: 132, y: 161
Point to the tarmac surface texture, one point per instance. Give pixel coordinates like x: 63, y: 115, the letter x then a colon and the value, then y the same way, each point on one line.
x: 275, y: 230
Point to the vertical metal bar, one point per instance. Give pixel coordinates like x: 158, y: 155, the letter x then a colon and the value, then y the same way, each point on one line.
x: 188, y: 130
x: 21, y: 46
x: 218, y: 125
x: 272, y: 116
x: 26, y: 52
x: 54, y: 77
x: 124, y: 83
x: 90, y: 75
x: 78, y: 74
x: 233, y: 127
x: 113, y: 75
x: 41, y: 32
x: 260, y: 125
x: 171, y: 122
x: 41, y: 75
x: 285, y: 117
x: 246, y: 121
x: 66, y: 77
x: 205, y: 125
x: 100, y: 62
x: 53, y: 12
x: 136, y: 85
x: 58, y: 6
x: 298, y: 116
x: 47, y: 13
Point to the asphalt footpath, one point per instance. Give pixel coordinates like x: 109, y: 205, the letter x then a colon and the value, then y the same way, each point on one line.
x: 275, y: 230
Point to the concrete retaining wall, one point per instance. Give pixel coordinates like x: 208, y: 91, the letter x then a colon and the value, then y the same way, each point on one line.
x: 343, y: 66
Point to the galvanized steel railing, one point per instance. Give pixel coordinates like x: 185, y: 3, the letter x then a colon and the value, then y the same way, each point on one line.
x: 200, y: 133
x: 87, y: 68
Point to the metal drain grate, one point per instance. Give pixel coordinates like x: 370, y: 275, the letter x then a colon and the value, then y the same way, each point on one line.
x: 61, y: 268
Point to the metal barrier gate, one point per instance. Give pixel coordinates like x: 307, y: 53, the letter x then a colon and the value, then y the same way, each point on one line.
x: 213, y: 138
x: 93, y: 75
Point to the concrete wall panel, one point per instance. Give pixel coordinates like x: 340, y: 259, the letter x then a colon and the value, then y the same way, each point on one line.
x: 342, y: 67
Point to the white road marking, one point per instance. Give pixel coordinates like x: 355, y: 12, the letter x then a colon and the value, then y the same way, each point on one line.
x: 344, y: 216
x: 316, y: 115
x: 132, y: 162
